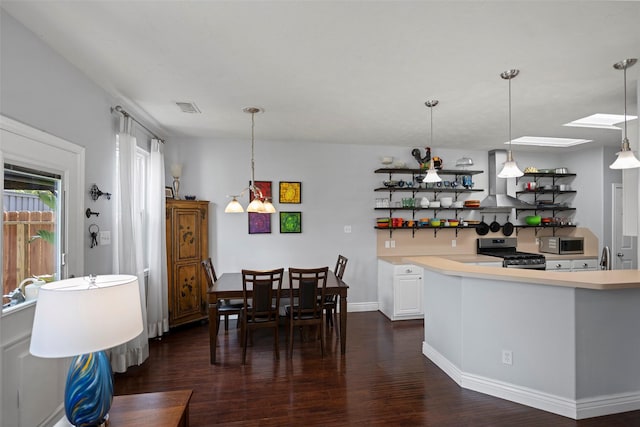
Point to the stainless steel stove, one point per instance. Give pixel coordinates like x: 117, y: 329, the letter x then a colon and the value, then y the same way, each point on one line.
x: 505, y: 248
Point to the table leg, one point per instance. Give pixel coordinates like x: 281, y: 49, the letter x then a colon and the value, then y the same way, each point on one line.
x: 213, y: 331
x: 343, y: 323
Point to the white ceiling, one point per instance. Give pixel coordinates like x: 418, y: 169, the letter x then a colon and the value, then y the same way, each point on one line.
x: 353, y: 71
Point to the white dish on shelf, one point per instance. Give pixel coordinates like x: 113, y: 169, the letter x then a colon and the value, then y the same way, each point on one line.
x: 434, y: 204
x: 386, y: 160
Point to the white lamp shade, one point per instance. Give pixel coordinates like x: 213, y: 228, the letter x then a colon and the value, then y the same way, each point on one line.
x: 73, y: 319
x: 268, y: 207
x: 510, y: 170
x: 256, y: 206
x: 625, y: 160
x: 234, y: 207
x: 176, y: 170
x: 432, y: 176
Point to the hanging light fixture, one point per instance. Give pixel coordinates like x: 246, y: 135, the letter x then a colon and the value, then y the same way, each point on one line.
x: 432, y: 175
x: 626, y: 159
x: 510, y: 169
x: 259, y: 204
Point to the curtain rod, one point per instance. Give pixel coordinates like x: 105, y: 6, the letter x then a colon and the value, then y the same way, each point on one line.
x: 122, y: 111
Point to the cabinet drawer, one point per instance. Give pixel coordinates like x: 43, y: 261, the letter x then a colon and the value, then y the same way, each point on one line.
x: 584, y: 264
x: 558, y: 265
x: 406, y: 269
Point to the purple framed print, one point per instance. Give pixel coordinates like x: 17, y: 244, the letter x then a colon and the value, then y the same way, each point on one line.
x: 259, y: 223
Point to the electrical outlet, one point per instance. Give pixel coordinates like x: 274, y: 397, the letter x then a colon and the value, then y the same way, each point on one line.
x: 393, y: 243
x: 453, y: 243
x: 347, y: 229
x: 387, y: 244
x: 507, y: 357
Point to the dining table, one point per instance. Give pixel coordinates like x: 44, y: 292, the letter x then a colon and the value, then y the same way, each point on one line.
x: 229, y: 286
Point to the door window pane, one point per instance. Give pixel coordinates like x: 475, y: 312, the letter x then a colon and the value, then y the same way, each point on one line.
x: 31, y: 227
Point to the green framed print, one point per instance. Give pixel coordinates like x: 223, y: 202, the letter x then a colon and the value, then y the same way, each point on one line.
x: 290, y: 222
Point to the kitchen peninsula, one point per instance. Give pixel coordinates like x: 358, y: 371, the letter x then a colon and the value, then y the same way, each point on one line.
x: 564, y: 342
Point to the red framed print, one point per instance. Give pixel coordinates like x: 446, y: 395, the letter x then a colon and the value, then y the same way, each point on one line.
x: 264, y: 187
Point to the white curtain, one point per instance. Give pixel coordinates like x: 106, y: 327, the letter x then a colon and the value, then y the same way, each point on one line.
x: 127, y: 243
x: 157, y: 302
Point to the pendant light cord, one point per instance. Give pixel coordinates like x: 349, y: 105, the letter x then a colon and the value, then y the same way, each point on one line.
x: 509, y: 116
x: 625, y: 103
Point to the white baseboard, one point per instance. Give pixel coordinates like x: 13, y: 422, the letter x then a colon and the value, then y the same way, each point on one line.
x: 580, y: 409
x: 362, y: 306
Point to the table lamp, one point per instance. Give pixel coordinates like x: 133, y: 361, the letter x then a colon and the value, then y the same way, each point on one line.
x: 80, y: 318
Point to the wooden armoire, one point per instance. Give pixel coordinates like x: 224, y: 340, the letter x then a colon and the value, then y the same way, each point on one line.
x: 187, y: 246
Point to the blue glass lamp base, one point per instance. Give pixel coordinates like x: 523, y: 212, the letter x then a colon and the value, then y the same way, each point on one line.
x: 89, y: 390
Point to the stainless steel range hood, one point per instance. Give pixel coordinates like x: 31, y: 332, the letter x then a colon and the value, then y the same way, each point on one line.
x: 498, y: 198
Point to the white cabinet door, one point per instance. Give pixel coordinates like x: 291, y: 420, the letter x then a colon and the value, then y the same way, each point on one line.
x: 559, y: 265
x: 407, y: 298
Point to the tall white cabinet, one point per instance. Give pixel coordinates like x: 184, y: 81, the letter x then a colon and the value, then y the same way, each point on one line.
x: 400, y: 291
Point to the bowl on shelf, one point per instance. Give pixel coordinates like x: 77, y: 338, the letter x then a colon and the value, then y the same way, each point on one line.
x: 446, y: 202
x: 454, y: 222
x: 434, y: 204
x: 435, y: 222
x: 533, y: 220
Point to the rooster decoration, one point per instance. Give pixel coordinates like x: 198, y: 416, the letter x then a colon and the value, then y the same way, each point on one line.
x: 424, y: 161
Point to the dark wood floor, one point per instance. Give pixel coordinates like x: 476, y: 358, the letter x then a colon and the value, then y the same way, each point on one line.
x: 382, y: 380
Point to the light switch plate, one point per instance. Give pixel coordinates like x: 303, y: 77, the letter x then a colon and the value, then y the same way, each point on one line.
x: 104, y: 238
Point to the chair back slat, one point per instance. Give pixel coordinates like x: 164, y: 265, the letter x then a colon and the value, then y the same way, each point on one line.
x: 341, y: 264
x: 210, y: 272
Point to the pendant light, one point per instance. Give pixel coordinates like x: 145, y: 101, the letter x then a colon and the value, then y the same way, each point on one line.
x: 432, y: 175
x: 259, y: 204
x: 626, y: 159
x: 510, y: 169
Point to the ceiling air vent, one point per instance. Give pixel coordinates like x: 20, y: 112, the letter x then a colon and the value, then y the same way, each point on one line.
x: 188, y: 107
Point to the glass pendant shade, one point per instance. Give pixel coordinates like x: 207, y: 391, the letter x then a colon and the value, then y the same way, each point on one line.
x: 256, y: 206
x: 510, y: 169
x: 268, y: 207
x: 432, y: 175
x: 625, y: 160
x: 234, y: 207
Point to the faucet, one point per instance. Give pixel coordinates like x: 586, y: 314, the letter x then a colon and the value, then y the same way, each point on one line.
x: 16, y: 296
x: 605, y: 259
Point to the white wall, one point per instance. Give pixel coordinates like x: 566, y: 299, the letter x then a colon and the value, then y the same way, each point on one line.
x: 337, y: 190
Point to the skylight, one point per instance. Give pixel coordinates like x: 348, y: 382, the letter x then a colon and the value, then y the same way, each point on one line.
x: 548, y: 141
x: 600, y: 121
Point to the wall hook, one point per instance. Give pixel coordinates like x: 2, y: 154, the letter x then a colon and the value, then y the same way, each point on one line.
x: 88, y: 213
x: 96, y: 193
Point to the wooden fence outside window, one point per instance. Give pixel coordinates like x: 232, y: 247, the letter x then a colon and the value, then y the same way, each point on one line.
x: 22, y: 258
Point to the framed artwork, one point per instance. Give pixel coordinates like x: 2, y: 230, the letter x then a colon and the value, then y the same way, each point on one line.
x: 259, y: 223
x: 168, y: 192
x: 290, y: 222
x: 265, y: 187
x: 290, y: 192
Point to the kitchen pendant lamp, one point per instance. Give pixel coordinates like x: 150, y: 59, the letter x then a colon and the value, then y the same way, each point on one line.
x: 259, y: 204
x: 510, y: 169
x: 432, y: 175
x: 626, y: 159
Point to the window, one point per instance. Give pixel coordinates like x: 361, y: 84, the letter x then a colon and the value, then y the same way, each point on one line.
x: 31, y: 231
x: 141, y: 179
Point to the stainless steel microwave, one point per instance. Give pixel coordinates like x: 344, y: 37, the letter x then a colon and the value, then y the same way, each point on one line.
x: 562, y: 245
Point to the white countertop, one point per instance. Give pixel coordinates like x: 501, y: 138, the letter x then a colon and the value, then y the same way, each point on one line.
x: 599, y: 280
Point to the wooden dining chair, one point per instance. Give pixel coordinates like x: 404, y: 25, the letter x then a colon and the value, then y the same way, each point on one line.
x: 331, y: 301
x: 261, y: 294
x: 311, y: 284
x: 226, y: 307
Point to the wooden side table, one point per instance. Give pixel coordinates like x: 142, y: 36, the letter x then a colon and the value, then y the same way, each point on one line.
x: 162, y: 409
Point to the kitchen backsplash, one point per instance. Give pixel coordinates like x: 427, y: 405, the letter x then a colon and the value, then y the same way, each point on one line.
x: 425, y: 243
